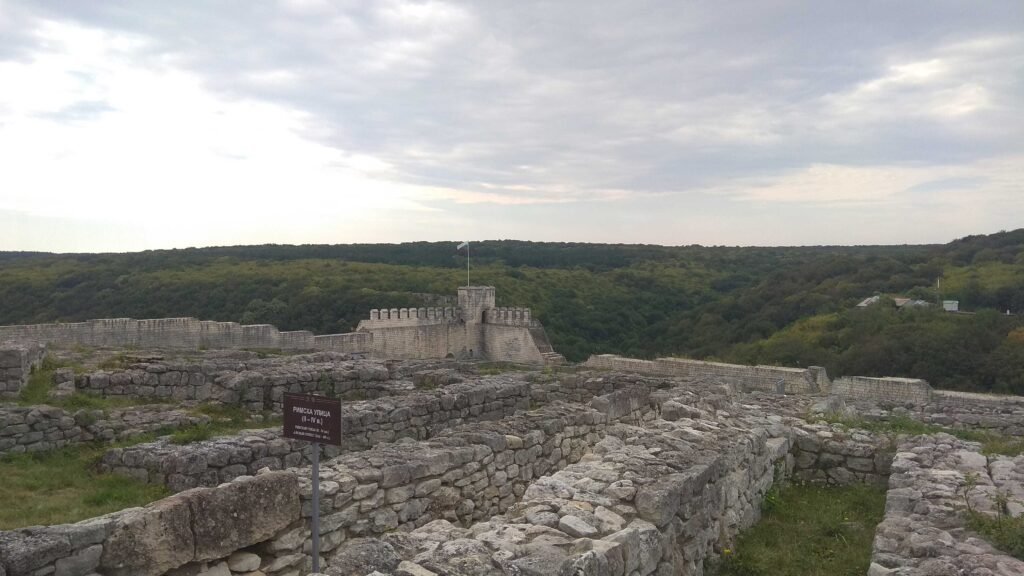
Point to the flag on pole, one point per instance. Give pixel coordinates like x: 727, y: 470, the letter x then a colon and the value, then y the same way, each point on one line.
x: 461, y: 246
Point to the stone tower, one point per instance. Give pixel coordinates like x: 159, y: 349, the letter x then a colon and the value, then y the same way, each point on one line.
x: 474, y: 301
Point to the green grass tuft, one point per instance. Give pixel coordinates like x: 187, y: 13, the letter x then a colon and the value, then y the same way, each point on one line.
x: 223, y: 420
x: 63, y: 486
x: 1004, y: 532
x: 991, y: 442
x: 808, y: 530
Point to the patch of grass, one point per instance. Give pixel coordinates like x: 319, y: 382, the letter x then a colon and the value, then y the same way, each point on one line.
x: 268, y: 352
x: 63, y: 486
x: 37, y: 391
x: 1004, y: 532
x: 809, y: 530
x: 223, y: 420
x: 82, y: 401
x: 991, y: 442
x: 495, y: 368
x: 192, y: 434
x: 116, y: 362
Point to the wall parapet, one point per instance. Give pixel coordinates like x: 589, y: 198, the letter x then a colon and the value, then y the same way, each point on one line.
x: 764, y: 378
x: 889, y: 389
x: 187, y: 333
x: 394, y: 315
x: 510, y: 317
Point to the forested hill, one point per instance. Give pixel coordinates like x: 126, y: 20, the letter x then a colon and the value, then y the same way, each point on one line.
x: 791, y: 306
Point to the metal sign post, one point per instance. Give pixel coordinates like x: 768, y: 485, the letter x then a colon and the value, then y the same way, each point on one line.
x: 316, y: 419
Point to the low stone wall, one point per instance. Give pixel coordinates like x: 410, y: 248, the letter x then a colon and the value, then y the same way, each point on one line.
x: 44, y: 428
x: 960, y: 410
x: 208, y: 531
x: 364, y: 424
x: 17, y: 361
x: 653, y: 499
x: 924, y: 530
x: 188, y: 333
x: 650, y: 478
x: 834, y: 455
x: 762, y: 378
x: 257, y: 384
x: 583, y: 387
x: 895, y: 390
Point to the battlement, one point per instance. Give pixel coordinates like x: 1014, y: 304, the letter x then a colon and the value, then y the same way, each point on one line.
x: 509, y: 317
x: 410, y: 316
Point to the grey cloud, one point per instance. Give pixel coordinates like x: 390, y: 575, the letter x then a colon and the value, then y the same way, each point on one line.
x: 574, y: 98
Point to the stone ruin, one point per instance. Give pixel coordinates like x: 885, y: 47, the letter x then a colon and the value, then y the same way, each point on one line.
x: 616, y: 467
x: 474, y: 329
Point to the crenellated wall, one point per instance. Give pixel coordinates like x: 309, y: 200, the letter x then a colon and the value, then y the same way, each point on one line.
x: 410, y: 316
x: 510, y: 317
x: 474, y: 329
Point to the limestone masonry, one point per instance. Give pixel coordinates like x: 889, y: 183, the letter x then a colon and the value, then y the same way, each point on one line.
x: 476, y: 328
x: 616, y: 467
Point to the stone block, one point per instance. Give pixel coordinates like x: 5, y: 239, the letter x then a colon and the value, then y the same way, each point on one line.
x: 24, y: 552
x: 150, y: 541
x: 242, y: 513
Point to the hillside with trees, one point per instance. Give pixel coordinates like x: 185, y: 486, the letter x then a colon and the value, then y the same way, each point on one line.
x: 791, y: 306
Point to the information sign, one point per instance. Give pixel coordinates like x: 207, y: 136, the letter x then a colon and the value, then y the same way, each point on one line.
x: 312, y: 418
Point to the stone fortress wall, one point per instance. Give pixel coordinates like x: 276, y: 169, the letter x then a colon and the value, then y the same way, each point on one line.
x: 184, y: 333
x: 474, y: 329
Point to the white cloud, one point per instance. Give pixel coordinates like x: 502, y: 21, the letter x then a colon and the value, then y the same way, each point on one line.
x: 992, y: 180
x: 166, y: 153
x: 309, y: 120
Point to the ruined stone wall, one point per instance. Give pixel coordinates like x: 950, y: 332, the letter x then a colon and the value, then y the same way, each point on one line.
x: 890, y: 389
x: 834, y: 455
x: 657, y: 498
x: 364, y: 424
x: 995, y: 413
x: 763, y: 378
x: 209, y: 531
x: 924, y: 529
x: 257, y: 384
x: 17, y: 361
x: 44, y: 428
x: 653, y: 476
x: 187, y: 333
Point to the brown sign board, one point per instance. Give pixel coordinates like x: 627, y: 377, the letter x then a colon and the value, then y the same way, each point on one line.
x: 312, y: 418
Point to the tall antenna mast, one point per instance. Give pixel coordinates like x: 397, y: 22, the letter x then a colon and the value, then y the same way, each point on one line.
x: 465, y: 245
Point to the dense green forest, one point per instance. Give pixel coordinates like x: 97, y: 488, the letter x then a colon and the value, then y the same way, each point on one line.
x: 791, y: 306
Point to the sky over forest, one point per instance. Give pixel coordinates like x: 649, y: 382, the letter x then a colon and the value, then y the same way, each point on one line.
x: 132, y: 125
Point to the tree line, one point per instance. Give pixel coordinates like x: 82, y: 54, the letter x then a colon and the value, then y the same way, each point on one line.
x: 791, y: 305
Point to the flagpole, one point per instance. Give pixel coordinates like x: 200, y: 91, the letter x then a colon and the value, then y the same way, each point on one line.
x: 467, y: 264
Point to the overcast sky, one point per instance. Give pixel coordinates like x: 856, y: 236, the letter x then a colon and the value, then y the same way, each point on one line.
x: 128, y: 125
